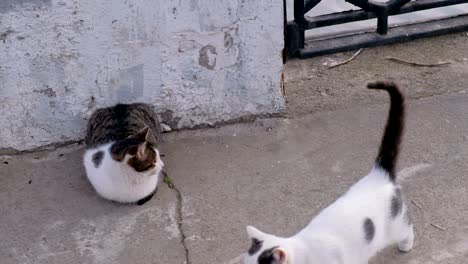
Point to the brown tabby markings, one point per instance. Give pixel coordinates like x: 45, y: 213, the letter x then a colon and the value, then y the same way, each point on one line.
x: 121, y: 121
x: 134, y: 128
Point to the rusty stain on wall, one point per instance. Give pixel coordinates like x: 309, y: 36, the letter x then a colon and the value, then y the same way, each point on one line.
x: 207, y: 57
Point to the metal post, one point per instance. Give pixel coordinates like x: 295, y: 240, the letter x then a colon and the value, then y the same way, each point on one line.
x: 299, y: 11
x: 382, y: 23
x: 295, y: 30
x: 295, y: 38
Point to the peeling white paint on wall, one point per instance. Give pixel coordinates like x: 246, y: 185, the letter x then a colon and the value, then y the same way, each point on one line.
x: 197, y: 61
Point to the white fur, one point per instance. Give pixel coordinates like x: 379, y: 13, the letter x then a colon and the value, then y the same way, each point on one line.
x: 118, y: 181
x: 336, y: 235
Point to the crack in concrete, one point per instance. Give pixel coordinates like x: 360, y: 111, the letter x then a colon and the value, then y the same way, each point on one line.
x: 180, y: 225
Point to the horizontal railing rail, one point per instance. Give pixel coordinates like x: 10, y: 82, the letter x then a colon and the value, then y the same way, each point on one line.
x: 295, y: 30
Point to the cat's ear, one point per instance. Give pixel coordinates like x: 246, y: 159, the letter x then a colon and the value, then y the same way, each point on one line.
x: 255, y: 233
x: 280, y: 255
x: 141, y: 152
x: 142, y: 135
x: 149, y: 136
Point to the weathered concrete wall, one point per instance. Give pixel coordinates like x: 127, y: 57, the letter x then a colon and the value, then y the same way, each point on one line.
x: 197, y: 61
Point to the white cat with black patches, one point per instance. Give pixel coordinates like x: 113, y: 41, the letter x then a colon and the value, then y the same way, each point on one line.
x: 370, y: 216
x: 122, y: 159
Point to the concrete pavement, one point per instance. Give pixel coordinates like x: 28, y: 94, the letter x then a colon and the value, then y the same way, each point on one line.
x: 274, y: 173
x: 310, y: 85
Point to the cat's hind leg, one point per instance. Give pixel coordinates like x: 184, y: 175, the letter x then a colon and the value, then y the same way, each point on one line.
x: 407, y: 243
x: 407, y: 233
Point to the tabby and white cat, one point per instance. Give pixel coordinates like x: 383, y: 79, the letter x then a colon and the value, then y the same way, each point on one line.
x: 370, y: 216
x: 122, y: 159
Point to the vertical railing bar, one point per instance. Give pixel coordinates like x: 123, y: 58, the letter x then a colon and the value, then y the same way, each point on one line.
x: 382, y: 23
x: 299, y: 11
x: 285, y: 32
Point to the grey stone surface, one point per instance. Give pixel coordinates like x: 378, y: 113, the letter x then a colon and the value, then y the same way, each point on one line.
x: 311, y: 86
x: 274, y: 173
x: 9, y: 5
x: 51, y: 214
x: 197, y: 62
x: 277, y: 174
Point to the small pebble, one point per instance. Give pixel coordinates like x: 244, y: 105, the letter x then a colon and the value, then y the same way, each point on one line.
x: 165, y: 128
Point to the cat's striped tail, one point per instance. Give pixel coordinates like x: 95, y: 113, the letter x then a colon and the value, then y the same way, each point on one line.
x: 389, y: 148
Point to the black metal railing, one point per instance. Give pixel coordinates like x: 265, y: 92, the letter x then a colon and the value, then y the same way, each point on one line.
x: 295, y: 30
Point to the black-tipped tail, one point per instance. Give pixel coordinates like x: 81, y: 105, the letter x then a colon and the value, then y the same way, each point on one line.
x: 389, y: 148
